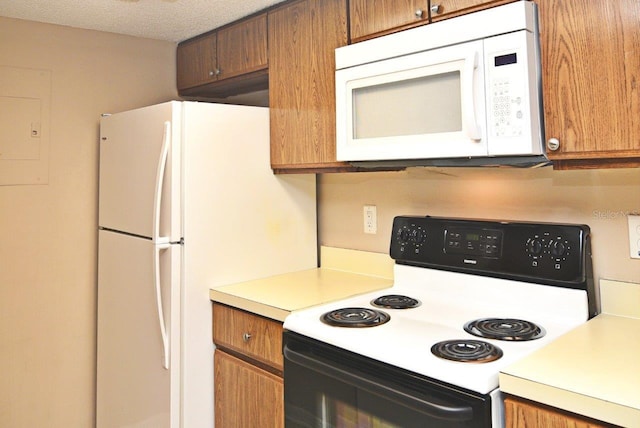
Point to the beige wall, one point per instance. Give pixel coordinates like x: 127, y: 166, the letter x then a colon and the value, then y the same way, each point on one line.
x: 598, y: 198
x: 48, y: 244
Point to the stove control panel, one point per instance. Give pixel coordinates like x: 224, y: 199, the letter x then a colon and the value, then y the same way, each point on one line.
x: 473, y: 241
x: 539, y: 252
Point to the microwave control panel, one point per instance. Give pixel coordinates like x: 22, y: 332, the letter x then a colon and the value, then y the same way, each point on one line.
x: 506, y: 96
x: 506, y: 111
x: 512, y: 98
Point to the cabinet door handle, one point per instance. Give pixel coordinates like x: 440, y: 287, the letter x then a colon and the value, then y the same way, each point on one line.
x: 246, y: 337
x: 553, y: 144
x: 435, y: 8
x: 419, y: 13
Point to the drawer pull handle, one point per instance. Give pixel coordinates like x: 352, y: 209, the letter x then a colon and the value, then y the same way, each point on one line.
x: 246, y: 337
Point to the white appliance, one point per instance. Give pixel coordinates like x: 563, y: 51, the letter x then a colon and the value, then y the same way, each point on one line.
x: 187, y: 202
x: 463, y: 91
x: 469, y: 298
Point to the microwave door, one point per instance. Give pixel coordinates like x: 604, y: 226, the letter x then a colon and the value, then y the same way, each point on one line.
x: 425, y: 105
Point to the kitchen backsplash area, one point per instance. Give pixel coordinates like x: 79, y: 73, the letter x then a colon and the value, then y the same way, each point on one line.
x: 599, y: 198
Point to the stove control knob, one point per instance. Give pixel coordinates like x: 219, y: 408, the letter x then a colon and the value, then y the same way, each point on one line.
x: 403, y: 235
x: 417, y: 236
x: 534, y: 246
x: 557, y: 248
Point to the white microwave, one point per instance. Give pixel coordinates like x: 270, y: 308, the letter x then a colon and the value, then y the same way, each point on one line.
x: 464, y: 91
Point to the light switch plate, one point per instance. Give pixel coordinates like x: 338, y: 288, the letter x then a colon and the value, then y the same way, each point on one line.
x: 634, y: 235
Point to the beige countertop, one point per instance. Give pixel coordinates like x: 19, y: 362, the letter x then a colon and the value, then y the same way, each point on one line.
x: 344, y: 273
x: 594, y: 370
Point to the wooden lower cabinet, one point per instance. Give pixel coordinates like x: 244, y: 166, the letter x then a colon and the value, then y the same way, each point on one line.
x: 246, y: 395
x: 248, y: 364
x: 521, y: 413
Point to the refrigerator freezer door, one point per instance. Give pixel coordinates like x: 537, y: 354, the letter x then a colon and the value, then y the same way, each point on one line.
x: 131, y: 158
x: 134, y: 389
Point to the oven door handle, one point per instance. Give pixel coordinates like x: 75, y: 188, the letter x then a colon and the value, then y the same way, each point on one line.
x: 395, y: 394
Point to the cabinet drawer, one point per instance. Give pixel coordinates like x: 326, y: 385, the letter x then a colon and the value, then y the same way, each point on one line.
x: 256, y: 337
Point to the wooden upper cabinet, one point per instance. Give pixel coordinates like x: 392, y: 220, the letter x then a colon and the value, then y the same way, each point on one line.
x: 196, y: 61
x: 224, y: 62
x: 373, y: 18
x: 591, y: 74
x: 242, y: 48
x: 444, y: 9
x: 302, y: 38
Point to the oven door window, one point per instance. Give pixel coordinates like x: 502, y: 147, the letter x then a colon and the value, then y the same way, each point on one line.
x: 328, y: 389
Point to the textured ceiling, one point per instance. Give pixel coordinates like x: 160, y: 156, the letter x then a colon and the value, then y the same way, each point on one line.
x: 172, y: 20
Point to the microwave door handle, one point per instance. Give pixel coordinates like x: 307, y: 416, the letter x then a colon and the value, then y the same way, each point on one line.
x: 468, y: 108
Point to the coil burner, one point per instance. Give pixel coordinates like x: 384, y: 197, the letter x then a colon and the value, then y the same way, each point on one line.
x: 355, y: 317
x: 504, y: 329
x: 466, y: 351
x: 396, y: 301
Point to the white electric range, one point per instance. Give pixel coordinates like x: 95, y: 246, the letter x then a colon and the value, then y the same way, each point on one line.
x: 469, y: 298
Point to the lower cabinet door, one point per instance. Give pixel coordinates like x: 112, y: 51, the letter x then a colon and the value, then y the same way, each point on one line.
x: 246, y: 395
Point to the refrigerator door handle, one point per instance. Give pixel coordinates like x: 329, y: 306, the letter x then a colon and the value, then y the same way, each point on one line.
x: 157, y: 197
x: 161, y: 243
x: 156, y: 276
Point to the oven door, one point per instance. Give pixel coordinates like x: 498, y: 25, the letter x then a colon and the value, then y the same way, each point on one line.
x: 329, y: 387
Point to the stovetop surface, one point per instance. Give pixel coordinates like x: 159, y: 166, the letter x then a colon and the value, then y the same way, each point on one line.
x: 448, y: 301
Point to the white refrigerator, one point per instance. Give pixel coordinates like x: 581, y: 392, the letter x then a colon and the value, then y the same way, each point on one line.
x: 187, y: 202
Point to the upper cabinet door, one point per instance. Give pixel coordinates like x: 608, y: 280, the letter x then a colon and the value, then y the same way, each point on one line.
x: 372, y: 18
x: 229, y: 61
x: 196, y: 61
x: 303, y: 36
x: 242, y: 47
x: 591, y: 70
x: 443, y: 9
